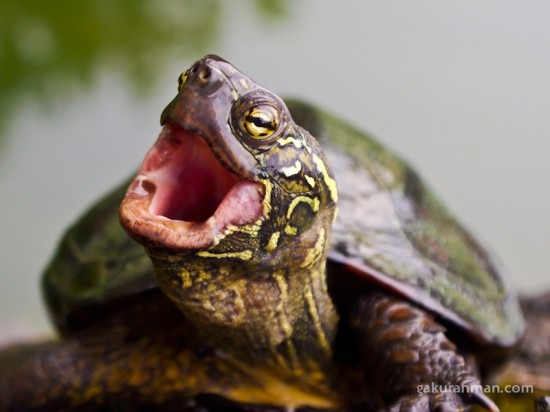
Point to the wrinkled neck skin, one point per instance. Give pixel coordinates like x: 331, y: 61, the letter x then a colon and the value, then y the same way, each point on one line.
x: 281, y: 317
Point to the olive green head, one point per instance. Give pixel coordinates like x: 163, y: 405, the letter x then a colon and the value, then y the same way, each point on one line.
x: 231, y: 178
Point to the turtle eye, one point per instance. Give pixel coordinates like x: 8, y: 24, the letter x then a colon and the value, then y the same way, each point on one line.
x: 261, y: 121
x: 182, y: 79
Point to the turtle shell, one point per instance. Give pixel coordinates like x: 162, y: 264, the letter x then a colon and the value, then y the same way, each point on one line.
x: 390, y: 230
x: 96, y: 265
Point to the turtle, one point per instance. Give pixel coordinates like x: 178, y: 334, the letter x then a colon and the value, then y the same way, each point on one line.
x: 259, y: 268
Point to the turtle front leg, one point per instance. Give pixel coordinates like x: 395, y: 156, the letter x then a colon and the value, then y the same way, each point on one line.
x: 142, y: 356
x: 407, y: 355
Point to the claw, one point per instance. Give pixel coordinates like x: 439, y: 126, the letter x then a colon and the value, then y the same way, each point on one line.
x: 442, y: 402
x: 482, y: 400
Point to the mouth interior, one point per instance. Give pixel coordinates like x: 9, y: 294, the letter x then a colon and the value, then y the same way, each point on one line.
x: 190, y: 183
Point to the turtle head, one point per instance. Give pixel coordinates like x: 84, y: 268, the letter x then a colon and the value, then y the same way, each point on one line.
x: 231, y: 177
x: 233, y: 204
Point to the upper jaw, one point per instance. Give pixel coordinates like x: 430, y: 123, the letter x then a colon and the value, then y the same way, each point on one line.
x: 183, y: 198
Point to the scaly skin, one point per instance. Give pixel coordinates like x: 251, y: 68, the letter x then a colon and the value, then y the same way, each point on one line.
x: 268, y: 319
x: 405, y: 348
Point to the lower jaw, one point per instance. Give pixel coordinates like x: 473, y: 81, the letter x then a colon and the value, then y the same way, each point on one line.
x: 143, y: 218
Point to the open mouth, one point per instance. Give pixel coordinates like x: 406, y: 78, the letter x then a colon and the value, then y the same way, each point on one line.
x: 184, y: 198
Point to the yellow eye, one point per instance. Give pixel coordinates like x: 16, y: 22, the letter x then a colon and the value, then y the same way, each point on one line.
x: 261, y: 121
x: 182, y: 79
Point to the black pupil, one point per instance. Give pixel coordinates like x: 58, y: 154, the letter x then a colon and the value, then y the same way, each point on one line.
x: 259, y: 122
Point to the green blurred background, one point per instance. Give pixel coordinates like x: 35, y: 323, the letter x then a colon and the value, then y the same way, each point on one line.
x: 460, y: 89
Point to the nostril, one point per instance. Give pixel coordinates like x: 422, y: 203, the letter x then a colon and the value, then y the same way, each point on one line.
x: 195, y: 67
x: 200, y: 72
x: 204, y: 74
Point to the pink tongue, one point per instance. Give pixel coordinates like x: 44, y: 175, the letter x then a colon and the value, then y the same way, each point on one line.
x: 242, y: 205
